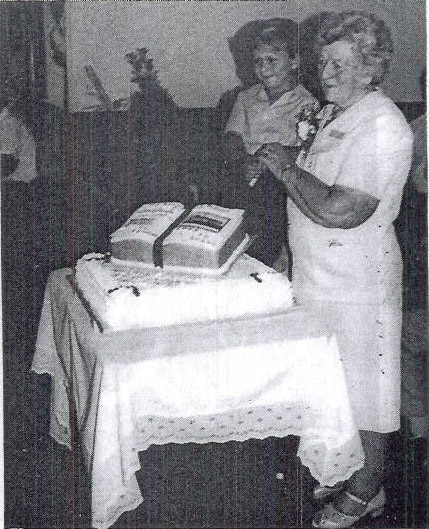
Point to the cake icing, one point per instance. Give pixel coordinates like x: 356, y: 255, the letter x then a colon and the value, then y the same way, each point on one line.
x: 125, y: 297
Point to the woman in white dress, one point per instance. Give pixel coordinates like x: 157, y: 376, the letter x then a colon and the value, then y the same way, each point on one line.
x: 344, y: 194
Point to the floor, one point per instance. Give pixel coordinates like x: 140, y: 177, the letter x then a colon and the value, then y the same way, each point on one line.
x: 256, y: 484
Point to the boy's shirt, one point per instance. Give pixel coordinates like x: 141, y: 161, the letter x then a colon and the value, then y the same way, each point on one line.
x: 258, y: 122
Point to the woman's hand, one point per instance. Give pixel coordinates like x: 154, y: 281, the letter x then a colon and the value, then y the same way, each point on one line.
x: 277, y: 158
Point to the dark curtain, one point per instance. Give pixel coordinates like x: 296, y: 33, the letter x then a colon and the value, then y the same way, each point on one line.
x: 22, y: 71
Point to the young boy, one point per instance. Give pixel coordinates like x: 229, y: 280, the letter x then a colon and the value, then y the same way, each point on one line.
x: 266, y: 113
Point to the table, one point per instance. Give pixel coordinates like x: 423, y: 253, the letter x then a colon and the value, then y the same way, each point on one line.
x: 273, y: 375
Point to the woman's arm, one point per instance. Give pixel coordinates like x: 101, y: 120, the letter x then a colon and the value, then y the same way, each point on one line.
x: 330, y: 206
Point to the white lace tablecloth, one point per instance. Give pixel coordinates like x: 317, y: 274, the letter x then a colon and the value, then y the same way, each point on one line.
x: 217, y: 381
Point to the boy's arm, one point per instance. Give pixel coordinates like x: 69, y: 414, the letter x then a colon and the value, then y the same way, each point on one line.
x: 235, y: 152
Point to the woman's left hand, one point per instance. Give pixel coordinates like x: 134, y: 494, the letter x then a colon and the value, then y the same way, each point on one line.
x: 277, y: 158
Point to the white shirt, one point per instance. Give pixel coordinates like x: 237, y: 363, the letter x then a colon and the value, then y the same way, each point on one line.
x: 16, y: 139
x: 258, y: 122
x: 369, y: 148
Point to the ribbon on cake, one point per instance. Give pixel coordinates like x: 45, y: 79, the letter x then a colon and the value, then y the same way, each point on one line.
x: 157, y: 245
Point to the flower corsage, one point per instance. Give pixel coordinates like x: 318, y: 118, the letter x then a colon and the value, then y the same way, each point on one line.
x: 307, y: 125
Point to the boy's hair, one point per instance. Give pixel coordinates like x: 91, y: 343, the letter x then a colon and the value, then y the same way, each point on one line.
x: 280, y: 33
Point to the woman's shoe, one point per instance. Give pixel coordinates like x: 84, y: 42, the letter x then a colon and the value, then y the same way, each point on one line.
x: 330, y: 518
x: 322, y: 492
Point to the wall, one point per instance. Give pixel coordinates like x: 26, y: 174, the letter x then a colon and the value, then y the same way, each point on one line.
x: 187, y: 41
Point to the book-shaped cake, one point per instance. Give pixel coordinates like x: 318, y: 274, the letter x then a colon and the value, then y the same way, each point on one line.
x: 123, y: 296
x: 164, y: 234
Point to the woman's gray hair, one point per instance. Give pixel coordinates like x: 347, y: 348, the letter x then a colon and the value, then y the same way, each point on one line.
x: 369, y: 33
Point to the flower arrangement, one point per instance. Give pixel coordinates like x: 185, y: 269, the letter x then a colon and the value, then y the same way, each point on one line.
x: 146, y: 77
x: 142, y: 67
x: 307, y: 125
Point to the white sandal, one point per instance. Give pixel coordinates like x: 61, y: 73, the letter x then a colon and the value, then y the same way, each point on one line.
x: 323, y: 492
x: 330, y: 518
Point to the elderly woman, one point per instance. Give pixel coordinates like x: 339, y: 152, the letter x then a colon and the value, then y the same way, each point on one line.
x: 344, y: 194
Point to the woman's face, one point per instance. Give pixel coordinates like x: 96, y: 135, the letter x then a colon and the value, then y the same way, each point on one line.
x: 343, y: 75
x: 274, y: 68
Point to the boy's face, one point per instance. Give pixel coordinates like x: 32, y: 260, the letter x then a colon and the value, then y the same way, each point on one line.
x: 274, y: 68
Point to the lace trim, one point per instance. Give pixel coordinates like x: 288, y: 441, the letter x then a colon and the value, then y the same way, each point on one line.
x: 330, y: 456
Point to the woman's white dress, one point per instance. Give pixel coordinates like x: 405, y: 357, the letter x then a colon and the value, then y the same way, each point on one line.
x: 353, y: 277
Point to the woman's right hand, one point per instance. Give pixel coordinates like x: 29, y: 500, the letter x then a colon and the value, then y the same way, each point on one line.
x: 276, y: 158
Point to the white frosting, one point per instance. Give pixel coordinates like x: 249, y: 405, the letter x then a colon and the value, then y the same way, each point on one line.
x: 167, y: 298
x: 149, y: 222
